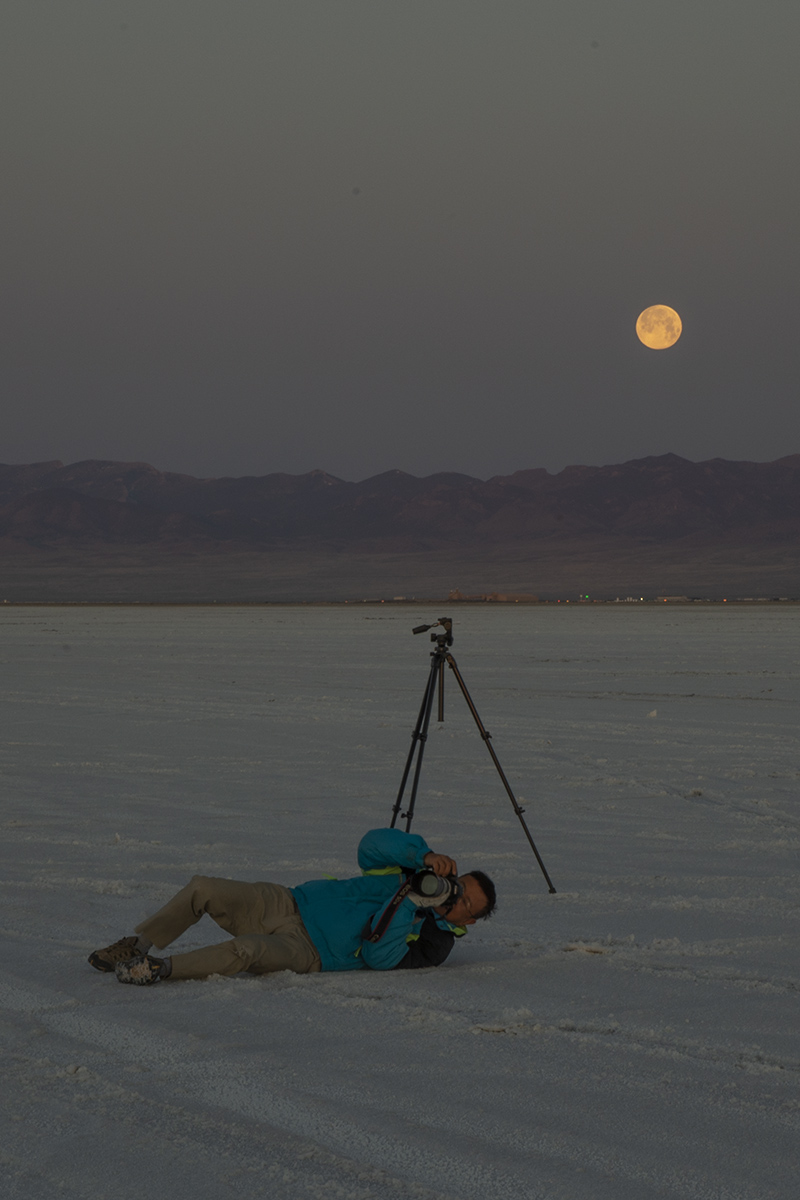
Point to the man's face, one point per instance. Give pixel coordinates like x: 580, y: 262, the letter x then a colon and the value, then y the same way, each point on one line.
x: 467, y: 909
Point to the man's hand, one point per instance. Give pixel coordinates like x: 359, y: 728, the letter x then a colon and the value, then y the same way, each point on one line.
x: 440, y: 864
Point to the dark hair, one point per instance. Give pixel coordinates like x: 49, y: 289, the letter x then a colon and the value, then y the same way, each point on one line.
x: 488, y: 889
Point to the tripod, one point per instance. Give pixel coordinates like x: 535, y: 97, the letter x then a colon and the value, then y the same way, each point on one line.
x: 419, y: 737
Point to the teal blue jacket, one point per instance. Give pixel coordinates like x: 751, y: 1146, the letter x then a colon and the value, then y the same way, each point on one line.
x: 336, y: 911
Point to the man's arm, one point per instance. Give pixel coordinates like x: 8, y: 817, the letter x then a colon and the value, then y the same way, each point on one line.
x: 382, y: 848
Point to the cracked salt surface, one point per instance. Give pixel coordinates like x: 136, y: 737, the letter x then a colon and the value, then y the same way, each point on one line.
x: 634, y: 1036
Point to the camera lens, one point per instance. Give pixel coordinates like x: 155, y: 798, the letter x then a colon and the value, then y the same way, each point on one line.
x: 432, y: 885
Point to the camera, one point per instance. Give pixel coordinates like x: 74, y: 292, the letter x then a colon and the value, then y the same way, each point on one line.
x: 429, y: 890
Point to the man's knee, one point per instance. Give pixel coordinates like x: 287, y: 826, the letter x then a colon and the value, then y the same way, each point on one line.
x: 247, y: 950
x: 259, y: 954
x: 200, y: 889
x: 209, y: 891
x: 262, y: 954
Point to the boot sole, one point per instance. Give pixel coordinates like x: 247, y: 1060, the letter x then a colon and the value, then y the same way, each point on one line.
x: 99, y: 964
x: 102, y: 964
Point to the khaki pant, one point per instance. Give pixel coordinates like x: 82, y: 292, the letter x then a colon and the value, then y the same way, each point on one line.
x: 268, y: 934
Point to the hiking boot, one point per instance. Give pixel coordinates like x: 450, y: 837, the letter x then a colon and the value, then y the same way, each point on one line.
x: 121, y: 951
x: 143, y: 970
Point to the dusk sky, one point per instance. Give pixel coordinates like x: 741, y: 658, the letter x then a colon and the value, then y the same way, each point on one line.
x: 248, y: 236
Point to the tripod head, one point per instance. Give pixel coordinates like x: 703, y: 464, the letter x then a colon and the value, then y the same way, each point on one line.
x: 442, y: 639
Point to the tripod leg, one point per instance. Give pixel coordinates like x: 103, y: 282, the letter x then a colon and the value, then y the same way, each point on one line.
x: 486, y: 738
x: 436, y: 670
x: 418, y: 739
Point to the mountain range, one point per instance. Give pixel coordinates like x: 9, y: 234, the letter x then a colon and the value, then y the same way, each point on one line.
x: 116, y: 531
x: 658, y: 499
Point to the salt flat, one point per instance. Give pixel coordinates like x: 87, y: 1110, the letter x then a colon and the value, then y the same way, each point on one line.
x: 634, y: 1036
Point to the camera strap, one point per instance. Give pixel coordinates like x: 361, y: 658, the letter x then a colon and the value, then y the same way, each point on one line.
x: 368, y: 934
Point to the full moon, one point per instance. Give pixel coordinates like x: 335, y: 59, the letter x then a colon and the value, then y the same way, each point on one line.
x: 659, y: 327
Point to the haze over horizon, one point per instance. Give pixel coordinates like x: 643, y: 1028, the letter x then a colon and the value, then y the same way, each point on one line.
x: 264, y: 237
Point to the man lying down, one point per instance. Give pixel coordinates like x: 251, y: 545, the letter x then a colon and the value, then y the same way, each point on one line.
x: 405, y: 910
